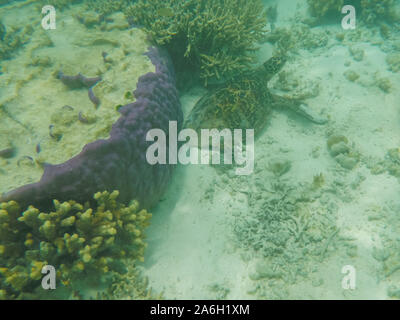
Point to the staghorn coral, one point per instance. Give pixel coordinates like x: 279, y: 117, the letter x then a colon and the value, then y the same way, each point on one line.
x: 105, y: 7
x: 58, y: 4
x: 212, y: 38
x: 82, y: 242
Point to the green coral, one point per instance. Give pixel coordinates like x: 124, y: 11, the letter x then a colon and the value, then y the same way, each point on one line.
x: 57, y: 4
x: 213, y: 38
x: 82, y: 242
x: 3, y: 31
x: 237, y: 103
x: 321, y: 8
x: 105, y: 7
x: 13, y: 39
x: 374, y: 11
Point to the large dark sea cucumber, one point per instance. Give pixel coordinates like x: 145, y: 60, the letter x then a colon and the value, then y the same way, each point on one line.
x: 119, y: 162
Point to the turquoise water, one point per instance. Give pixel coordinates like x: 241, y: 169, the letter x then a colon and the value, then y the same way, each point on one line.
x: 311, y: 212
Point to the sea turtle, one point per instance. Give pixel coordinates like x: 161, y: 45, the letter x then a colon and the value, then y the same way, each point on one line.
x: 244, y: 102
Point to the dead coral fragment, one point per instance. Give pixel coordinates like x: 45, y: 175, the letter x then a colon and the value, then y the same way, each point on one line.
x: 351, y: 75
x: 279, y: 167
x: 82, y: 242
x: 339, y: 149
x: 285, y: 234
x: 393, y: 60
x: 133, y: 285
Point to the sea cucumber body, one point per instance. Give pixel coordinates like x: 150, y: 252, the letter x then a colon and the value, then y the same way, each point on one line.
x: 117, y: 163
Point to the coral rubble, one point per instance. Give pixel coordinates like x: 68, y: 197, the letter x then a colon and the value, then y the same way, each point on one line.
x: 343, y: 153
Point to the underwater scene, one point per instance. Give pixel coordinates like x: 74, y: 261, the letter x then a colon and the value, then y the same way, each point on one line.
x: 199, y: 149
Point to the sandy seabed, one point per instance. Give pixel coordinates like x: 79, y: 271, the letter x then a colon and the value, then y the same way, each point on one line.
x: 193, y: 248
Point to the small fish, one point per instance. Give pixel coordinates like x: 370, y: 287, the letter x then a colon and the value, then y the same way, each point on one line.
x: 165, y: 12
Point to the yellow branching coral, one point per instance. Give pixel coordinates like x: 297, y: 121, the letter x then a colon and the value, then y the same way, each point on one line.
x: 80, y: 241
x: 214, y: 38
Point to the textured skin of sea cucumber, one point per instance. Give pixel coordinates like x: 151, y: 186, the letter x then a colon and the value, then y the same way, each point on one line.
x: 119, y: 162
